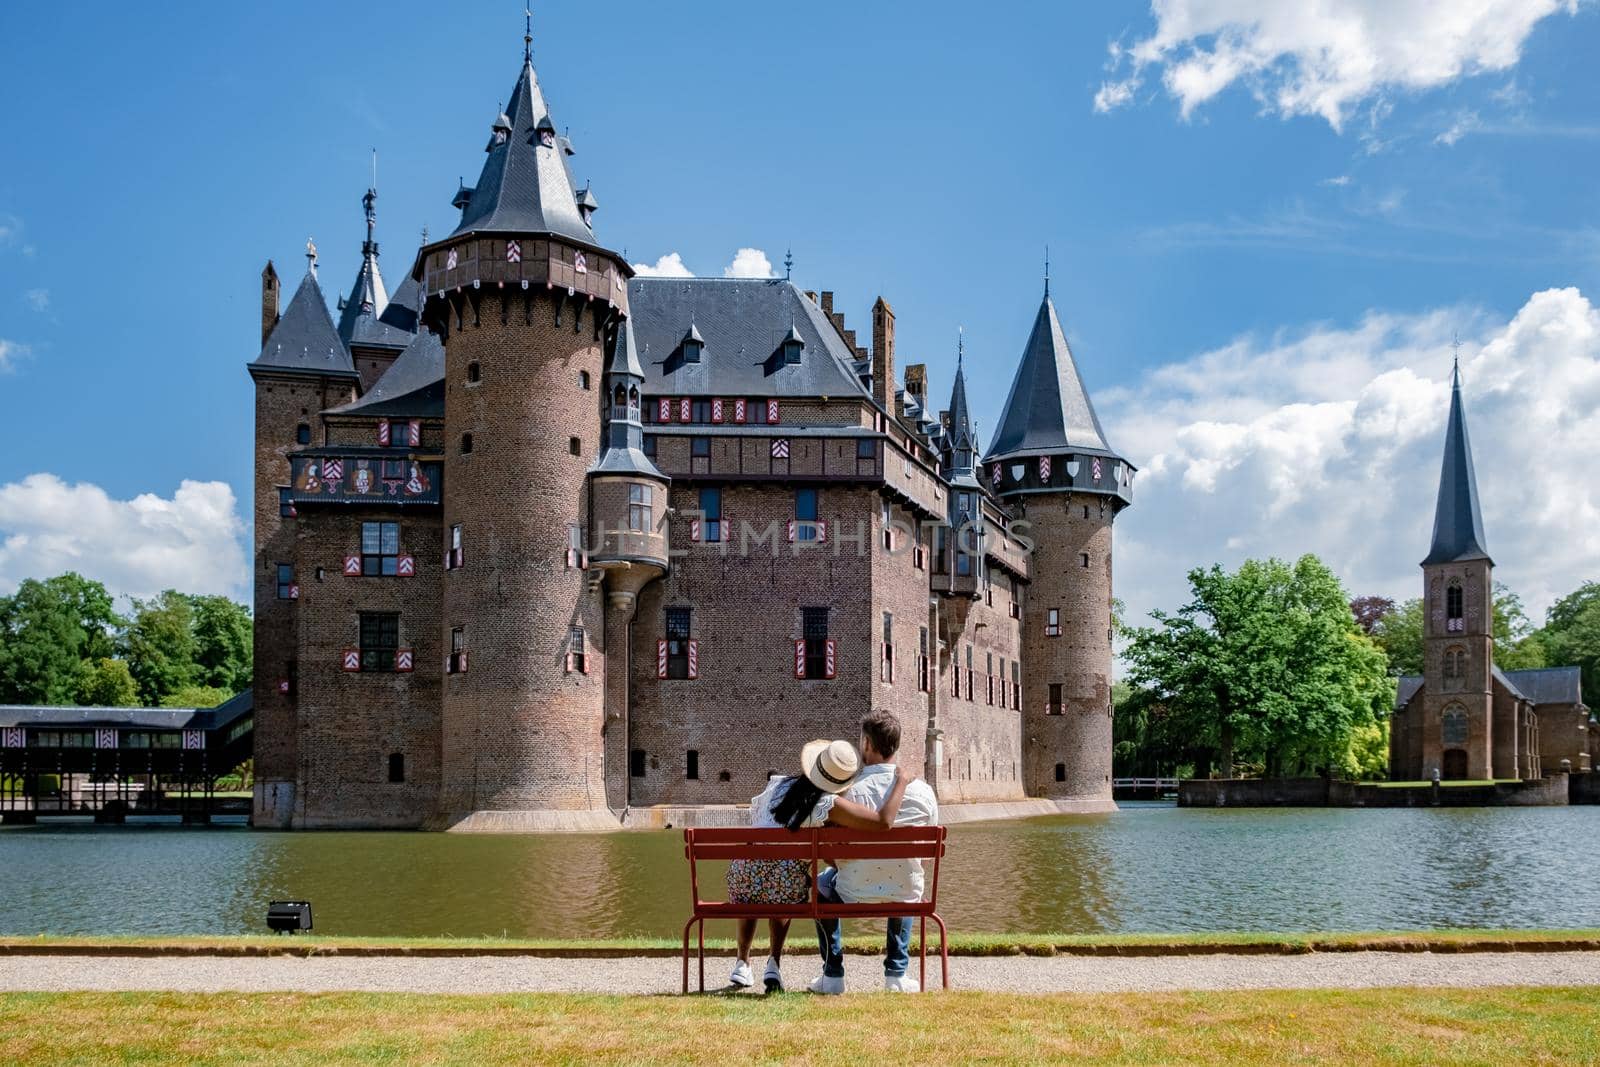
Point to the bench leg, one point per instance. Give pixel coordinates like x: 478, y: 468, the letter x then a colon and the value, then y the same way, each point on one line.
x: 944, y: 950
x: 922, y: 945
x: 702, y: 955
x: 686, y: 927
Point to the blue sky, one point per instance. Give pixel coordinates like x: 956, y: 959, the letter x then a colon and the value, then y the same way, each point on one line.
x: 1242, y: 225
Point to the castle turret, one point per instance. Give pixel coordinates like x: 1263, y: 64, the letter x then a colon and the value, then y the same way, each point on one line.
x: 1050, y: 460
x: 525, y: 301
x: 1458, y: 722
x: 374, y: 343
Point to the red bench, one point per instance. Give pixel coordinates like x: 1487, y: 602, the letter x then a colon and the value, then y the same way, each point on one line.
x: 814, y: 847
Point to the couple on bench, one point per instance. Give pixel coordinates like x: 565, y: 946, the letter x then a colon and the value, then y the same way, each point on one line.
x: 835, y: 789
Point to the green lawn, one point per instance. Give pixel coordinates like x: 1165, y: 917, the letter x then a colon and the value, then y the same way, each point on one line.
x: 1383, y: 1026
x: 967, y: 944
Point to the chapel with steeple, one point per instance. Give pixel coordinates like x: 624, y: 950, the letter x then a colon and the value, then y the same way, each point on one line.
x: 1464, y: 717
x: 544, y: 545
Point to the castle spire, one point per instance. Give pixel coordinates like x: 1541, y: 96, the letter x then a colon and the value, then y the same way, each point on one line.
x: 1457, y: 521
x: 1048, y: 409
x: 359, y: 312
x: 963, y: 440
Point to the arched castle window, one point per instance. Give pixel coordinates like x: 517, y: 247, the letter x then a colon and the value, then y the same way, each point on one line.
x: 1452, y: 607
x: 583, y: 379
x: 1453, y: 726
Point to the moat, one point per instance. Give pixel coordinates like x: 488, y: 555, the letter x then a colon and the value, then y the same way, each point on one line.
x: 1144, y: 868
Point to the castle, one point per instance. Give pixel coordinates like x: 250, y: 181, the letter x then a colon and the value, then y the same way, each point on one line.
x: 540, y: 544
x: 1464, y: 717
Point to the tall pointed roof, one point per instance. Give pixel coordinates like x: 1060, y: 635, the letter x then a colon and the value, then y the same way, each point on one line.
x: 361, y: 313
x: 1457, y: 522
x: 1048, y: 409
x: 623, y: 448
x: 526, y: 185
x: 304, y: 340
x: 960, y: 420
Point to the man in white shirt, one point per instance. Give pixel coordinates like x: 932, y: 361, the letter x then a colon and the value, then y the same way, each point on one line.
x: 862, y: 881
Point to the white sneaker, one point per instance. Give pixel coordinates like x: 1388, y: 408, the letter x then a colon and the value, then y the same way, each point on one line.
x: 773, y: 978
x: 741, y: 975
x: 901, y: 984
x: 827, y: 987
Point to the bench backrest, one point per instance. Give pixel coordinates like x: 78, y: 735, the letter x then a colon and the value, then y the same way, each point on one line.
x: 813, y: 846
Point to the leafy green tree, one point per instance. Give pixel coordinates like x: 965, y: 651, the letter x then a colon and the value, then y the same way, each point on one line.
x: 1571, y: 636
x: 48, y: 629
x: 1369, y: 611
x: 223, y: 650
x: 1266, y: 662
x: 195, y: 696
x: 1399, y: 634
x: 108, y: 684
x: 159, y: 645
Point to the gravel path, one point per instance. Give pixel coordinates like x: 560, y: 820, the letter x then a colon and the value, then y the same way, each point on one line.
x: 1342, y: 970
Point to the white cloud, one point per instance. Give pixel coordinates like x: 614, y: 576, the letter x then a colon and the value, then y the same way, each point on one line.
x: 1463, y: 124
x: 12, y: 353
x: 1115, y: 94
x: 193, y: 541
x: 1338, y: 180
x: 1329, y: 442
x: 10, y: 229
x: 668, y: 266
x: 38, y: 299
x: 749, y: 263
x: 1325, y: 58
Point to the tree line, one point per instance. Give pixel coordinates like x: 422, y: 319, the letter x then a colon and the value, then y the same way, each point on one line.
x: 63, y: 642
x: 1272, y: 670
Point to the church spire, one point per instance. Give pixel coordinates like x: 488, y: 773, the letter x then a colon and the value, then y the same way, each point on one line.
x: 963, y: 439
x: 1457, y: 522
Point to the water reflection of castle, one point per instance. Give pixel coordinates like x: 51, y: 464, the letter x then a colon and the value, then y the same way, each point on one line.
x: 1463, y: 716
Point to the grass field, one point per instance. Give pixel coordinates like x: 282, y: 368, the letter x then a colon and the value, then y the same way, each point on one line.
x: 967, y: 944
x: 1483, y: 1026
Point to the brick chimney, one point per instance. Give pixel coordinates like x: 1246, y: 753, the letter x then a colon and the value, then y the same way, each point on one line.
x: 269, y: 301
x: 917, y: 384
x: 883, y: 355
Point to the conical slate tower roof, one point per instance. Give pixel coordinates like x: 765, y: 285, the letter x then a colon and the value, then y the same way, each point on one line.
x: 1048, y: 409
x: 526, y: 186
x: 361, y: 320
x: 1457, y: 522
x: 623, y: 452
x: 304, y: 339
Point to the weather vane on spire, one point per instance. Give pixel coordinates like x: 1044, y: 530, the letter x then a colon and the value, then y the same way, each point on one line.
x: 527, y: 34
x: 1455, y: 344
x: 1046, y: 270
x: 311, y: 256
x: 961, y: 344
x: 788, y: 263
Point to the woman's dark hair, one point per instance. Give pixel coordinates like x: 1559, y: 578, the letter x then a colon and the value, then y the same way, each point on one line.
x: 794, y: 807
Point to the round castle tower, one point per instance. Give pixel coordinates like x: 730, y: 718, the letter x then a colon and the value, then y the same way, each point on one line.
x: 1050, y: 460
x: 525, y: 302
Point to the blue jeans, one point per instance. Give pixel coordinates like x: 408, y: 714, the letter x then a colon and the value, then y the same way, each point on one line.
x: 830, y: 942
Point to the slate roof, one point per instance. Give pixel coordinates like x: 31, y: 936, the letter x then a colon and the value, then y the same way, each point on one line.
x: 526, y: 186
x: 401, y: 313
x: 744, y: 322
x: 1545, y: 685
x: 304, y: 339
x: 412, y: 386
x: 129, y: 718
x: 1457, y: 522
x: 1048, y: 408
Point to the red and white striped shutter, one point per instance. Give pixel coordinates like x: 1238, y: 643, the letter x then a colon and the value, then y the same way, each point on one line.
x: 352, y: 566
x: 404, y: 659
x: 461, y: 662
x: 566, y: 660
x: 661, y: 658
x: 449, y: 560
x: 716, y: 409
x: 1044, y: 468
x: 772, y: 411
x: 461, y: 555
x: 351, y: 659
x: 283, y: 686
x: 383, y: 432
x: 738, y: 410
x: 406, y: 566
x: 294, y: 592
x: 684, y: 410
x: 694, y: 529
x: 791, y: 529
x: 800, y: 658
x: 572, y: 557
x: 664, y: 410
x: 727, y: 531
x: 414, y: 433
x: 822, y: 530
x: 828, y: 668
x: 694, y: 658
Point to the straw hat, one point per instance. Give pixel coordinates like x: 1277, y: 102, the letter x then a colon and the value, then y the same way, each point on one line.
x: 830, y: 765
